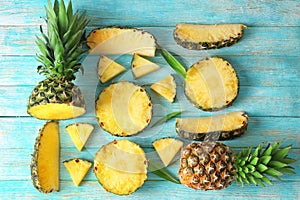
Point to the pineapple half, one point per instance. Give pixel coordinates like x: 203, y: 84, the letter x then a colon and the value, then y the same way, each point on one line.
x: 57, y: 97
x: 121, y: 167
x: 166, y: 88
x: 198, y: 36
x: 117, y: 40
x: 141, y: 66
x: 77, y: 169
x: 167, y: 148
x: 45, y: 159
x: 80, y: 133
x: 211, y: 84
x: 123, y: 109
x: 219, y: 127
x: 108, y: 69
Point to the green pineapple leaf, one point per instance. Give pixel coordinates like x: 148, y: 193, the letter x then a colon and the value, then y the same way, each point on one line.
x: 174, y: 63
x: 162, y: 172
x: 166, y: 118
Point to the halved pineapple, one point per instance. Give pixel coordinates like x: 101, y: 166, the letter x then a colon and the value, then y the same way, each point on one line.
x: 77, y: 169
x: 108, y: 69
x: 141, y: 66
x: 79, y: 133
x: 211, y: 84
x: 123, y: 109
x: 116, y: 40
x: 198, y: 36
x: 219, y: 127
x: 167, y: 148
x: 121, y: 167
x: 45, y: 159
x: 166, y: 88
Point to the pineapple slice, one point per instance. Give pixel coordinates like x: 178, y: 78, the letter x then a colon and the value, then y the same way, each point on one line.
x: 77, y: 169
x: 166, y: 88
x: 108, y: 69
x: 79, y: 133
x: 116, y: 40
x: 167, y: 148
x: 45, y: 159
x: 198, y: 36
x: 219, y: 127
x: 121, y: 167
x: 141, y: 66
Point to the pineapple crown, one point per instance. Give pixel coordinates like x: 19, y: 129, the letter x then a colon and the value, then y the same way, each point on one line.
x: 255, y: 167
x: 61, y: 47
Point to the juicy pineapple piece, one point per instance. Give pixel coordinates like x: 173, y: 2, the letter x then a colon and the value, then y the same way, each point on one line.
x: 123, y: 109
x: 166, y: 88
x: 141, y: 66
x: 116, y: 40
x: 77, y: 169
x: 79, y: 133
x: 121, y: 167
x: 219, y: 127
x: 45, y: 159
x: 167, y: 148
x: 211, y: 84
x: 198, y: 36
x: 108, y: 69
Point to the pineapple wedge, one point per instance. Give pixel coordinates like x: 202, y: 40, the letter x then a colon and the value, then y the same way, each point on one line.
x: 167, y: 148
x: 79, y: 133
x: 166, y: 88
x: 141, y: 66
x: 77, y: 169
x: 108, y: 69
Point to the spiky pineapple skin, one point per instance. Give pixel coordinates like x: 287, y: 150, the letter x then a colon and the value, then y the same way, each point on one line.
x: 206, y: 166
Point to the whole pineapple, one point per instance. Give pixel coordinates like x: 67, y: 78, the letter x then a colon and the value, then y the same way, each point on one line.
x: 57, y: 97
x: 213, y: 166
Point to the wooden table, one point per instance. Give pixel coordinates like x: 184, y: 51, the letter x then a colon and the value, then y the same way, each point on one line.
x: 266, y: 60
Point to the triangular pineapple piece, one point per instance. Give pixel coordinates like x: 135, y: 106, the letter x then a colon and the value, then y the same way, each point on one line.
x: 166, y: 88
x: 108, y: 69
x: 167, y: 148
x: 77, y: 169
x: 80, y: 133
x: 141, y: 66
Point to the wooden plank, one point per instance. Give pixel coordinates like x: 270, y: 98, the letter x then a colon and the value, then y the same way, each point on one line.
x: 252, y: 13
x: 256, y: 41
x: 257, y: 70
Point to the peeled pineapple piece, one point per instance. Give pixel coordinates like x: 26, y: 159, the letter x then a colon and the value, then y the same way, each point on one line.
x: 108, y: 69
x: 166, y: 88
x: 141, y: 66
x: 79, y: 133
x: 77, y: 169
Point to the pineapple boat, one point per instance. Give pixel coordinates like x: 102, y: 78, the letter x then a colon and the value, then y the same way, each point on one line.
x: 57, y: 97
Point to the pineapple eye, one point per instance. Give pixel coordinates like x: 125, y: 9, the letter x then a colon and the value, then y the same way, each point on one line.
x: 222, y: 165
x: 201, y: 170
x: 195, y: 180
x: 188, y: 171
x: 186, y: 152
x: 216, y: 157
x: 206, y: 158
x: 184, y: 163
x: 193, y: 161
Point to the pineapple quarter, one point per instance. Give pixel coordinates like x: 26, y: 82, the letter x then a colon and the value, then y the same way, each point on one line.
x: 79, y: 133
x: 167, y: 148
x: 141, y: 66
x: 166, y: 88
x: 108, y: 69
x: 45, y: 159
x: 77, y: 168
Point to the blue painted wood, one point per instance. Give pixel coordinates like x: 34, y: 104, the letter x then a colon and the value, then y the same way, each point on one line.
x: 266, y: 60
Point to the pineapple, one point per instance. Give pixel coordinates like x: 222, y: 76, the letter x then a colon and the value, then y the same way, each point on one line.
x: 77, y: 169
x: 121, y: 167
x: 198, y: 36
x: 80, y: 133
x: 45, y: 159
x: 166, y: 88
x: 108, y: 69
x: 213, y: 166
x: 211, y: 84
x: 57, y: 97
x: 141, y: 66
x: 123, y: 109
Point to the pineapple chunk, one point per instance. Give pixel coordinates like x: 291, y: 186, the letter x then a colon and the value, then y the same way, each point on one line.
x: 166, y: 88
x: 141, y: 66
x: 77, y: 169
x: 80, y: 133
x: 167, y: 148
x: 108, y: 69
